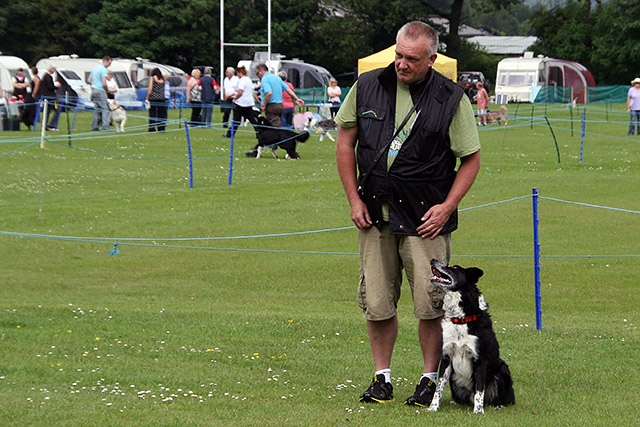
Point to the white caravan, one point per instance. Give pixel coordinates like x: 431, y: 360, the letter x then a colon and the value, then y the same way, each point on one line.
x: 521, y: 79
x: 126, y: 95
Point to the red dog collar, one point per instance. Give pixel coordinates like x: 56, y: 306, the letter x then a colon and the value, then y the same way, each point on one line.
x: 463, y: 320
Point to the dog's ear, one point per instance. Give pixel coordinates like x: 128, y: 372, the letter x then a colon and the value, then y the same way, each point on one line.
x: 474, y: 273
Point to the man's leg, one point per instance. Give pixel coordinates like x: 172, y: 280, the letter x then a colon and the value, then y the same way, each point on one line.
x: 382, y: 338
x: 430, y: 335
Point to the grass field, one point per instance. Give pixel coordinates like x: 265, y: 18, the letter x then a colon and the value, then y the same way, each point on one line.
x: 129, y: 298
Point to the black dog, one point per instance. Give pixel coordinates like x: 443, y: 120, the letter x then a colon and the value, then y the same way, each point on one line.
x: 470, y: 351
x: 271, y: 137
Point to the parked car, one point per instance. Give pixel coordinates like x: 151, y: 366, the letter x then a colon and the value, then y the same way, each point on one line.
x: 468, y: 79
x: 178, y: 90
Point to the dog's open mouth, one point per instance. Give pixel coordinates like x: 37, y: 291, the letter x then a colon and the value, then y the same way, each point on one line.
x: 440, y: 278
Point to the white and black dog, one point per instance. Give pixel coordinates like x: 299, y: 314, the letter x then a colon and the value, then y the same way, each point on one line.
x: 118, y: 114
x: 323, y: 127
x: 272, y: 137
x: 471, y: 360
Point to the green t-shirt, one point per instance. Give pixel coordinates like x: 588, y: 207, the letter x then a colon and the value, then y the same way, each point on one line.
x: 463, y: 132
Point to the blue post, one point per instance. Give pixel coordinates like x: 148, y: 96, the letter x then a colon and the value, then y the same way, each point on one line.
x: 583, y: 132
x: 231, y: 145
x: 36, y: 118
x: 536, y: 260
x: 186, y: 130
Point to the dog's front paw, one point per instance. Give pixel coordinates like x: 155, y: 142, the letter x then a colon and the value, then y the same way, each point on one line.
x: 434, y: 406
x: 479, y: 410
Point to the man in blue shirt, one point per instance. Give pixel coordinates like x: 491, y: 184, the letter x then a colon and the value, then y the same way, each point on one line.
x: 98, y: 82
x: 271, y: 95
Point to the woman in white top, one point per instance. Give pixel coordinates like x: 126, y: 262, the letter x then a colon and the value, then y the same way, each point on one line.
x: 112, y: 87
x: 334, y: 92
x: 244, y: 101
x: 193, y: 97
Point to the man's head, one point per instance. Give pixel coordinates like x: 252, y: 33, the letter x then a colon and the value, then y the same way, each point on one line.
x: 106, y: 61
x: 416, y: 46
x: 261, y: 70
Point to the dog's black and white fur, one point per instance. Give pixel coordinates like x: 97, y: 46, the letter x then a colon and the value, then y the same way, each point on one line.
x: 269, y: 136
x: 471, y: 360
x: 323, y: 127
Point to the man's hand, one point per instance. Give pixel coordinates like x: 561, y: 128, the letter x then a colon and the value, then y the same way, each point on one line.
x: 360, y: 214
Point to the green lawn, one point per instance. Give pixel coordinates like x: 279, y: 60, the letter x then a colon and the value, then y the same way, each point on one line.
x: 236, y: 304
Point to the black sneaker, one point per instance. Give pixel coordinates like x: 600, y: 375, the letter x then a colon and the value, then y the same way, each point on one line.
x: 379, y: 391
x: 424, y: 393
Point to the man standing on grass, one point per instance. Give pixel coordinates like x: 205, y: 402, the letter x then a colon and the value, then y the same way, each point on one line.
x: 403, y: 128
x: 99, y: 88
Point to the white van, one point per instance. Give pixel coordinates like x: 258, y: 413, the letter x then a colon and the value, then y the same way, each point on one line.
x: 126, y: 95
x: 8, y: 68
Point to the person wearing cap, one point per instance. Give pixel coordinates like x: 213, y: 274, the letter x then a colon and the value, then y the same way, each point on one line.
x: 633, y: 105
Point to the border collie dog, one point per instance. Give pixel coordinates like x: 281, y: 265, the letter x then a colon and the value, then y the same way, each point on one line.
x: 272, y: 137
x: 470, y: 351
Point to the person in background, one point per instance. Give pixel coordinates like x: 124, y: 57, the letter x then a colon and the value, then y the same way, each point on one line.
x: 271, y: 94
x: 99, y: 87
x: 112, y: 88
x: 167, y: 90
x: 287, y: 102
x: 209, y: 87
x: 193, y: 97
x: 334, y: 92
x: 404, y: 127
x: 31, y: 101
x: 229, y: 85
x: 243, y: 100
x: 482, y: 98
x: 20, y: 84
x: 48, y: 90
x: 156, y: 101
x: 633, y: 105
x: 21, y: 89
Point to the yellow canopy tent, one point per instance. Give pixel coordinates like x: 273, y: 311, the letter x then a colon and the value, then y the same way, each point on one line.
x: 444, y: 64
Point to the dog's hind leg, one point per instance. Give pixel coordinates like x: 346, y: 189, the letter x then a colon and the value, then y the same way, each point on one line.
x: 445, y: 373
x: 330, y: 137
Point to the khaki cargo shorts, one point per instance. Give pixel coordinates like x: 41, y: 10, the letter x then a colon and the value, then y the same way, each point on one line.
x: 383, y: 257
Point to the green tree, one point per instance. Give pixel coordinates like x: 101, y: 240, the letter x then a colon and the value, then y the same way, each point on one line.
x: 565, y: 32
x: 616, y: 48
x: 167, y: 31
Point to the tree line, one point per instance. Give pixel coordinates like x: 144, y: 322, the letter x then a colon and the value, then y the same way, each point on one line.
x: 602, y: 36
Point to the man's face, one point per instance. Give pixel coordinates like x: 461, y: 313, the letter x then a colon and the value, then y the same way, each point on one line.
x: 259, y: 72
x: 412, y: 60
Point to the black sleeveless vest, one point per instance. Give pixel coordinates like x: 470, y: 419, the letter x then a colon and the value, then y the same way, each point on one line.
x: 424, y: 170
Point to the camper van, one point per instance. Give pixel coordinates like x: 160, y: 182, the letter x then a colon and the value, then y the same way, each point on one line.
x: 522, y: 79
x: 126, y: 95
x: 301, y: 74
x: 8, y: 68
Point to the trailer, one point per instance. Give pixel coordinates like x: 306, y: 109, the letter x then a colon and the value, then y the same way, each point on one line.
x: 302, y: 75
x: 540, y: 79
x: 126, y: 94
